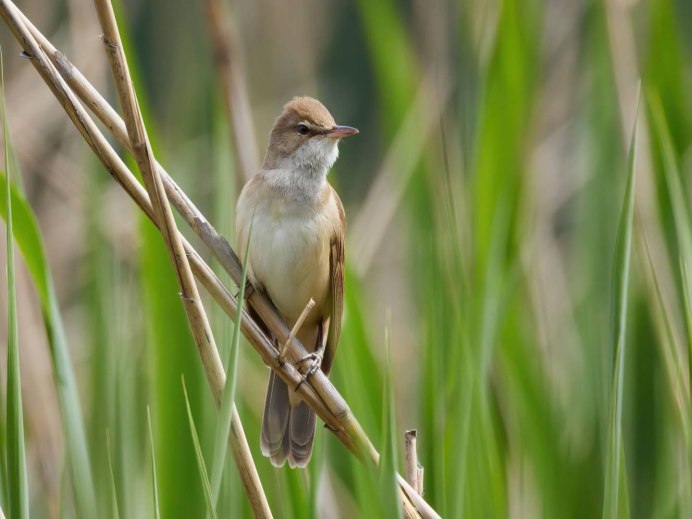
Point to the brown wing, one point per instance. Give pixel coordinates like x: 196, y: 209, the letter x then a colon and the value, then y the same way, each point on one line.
x: 336, y: 295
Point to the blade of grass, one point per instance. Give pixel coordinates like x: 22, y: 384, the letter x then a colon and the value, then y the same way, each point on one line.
x: 114, y: 497
x: 688, y: 319
x: 168, y: 337
x: 294, y: 491
x: 28, y: 237
x: 687, y: 291
x: 227, y: 406
x: 154, y: 484
x: 4, y: 490
x: 200, y: 458
x: 16, y: 455
x: 681, y: 213
x: 356, y: 349
x: 169, y: 340
x: 683, y: 232
x: 4, y: 478
x: 615, y: 477
x: 670, y: 351
x: 390, y: 504
x: 315, y: 471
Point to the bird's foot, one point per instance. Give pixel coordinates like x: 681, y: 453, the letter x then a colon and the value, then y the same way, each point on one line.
x: 315, y: 359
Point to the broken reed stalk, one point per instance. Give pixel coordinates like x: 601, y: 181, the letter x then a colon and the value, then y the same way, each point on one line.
x: 421, y: 480
x: 110, y: 159
x: 414, y: 471
x: 318, y: 392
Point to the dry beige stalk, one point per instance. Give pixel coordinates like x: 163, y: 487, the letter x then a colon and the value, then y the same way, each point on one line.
x: 296, y: 329
x: 163, y: 215
x: 421, y: 480
x: 319, y: 392
x: 411, y: 459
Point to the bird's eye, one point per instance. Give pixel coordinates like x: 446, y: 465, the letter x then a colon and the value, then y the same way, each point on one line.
x: 303, y: 130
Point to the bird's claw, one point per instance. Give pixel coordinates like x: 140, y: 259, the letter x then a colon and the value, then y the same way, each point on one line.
x: 315, y: 365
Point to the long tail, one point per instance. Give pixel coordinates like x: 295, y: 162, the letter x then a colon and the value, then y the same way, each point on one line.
x: 287, y: 433
x: 302, y: 435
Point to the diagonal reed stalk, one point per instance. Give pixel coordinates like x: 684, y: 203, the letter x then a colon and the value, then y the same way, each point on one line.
x: 615, y: 476
x: 163, y: 215
x: 318, y: 393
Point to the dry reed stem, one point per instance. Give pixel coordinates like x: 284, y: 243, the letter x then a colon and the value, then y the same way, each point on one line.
x: 163, y: 214
x: 421, y: 480
x: 192, y: 303
x: 296, y: 328
x: 412, y: 467
x: 116, y: 167
x: 319, y: 393
x: 233, y: 89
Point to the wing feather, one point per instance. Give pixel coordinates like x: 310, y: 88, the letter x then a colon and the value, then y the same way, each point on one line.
x: 336, y: 294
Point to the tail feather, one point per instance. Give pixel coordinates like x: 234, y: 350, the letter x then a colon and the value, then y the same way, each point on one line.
x: 301, y: 435
x: 275, y: 423
x: 287, y: 433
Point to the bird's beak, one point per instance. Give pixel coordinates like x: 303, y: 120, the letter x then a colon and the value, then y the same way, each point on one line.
x: 339, y: 132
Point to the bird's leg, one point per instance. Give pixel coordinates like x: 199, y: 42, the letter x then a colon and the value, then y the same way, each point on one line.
x: 284, y: 350
x: 315, y: 357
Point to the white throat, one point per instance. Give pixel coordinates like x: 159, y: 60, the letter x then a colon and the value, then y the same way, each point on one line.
x: 303, y: 174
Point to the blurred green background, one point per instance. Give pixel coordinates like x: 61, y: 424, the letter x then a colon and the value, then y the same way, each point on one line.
x: 484, y: 195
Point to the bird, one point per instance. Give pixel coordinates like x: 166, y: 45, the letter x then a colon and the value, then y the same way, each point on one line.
x: 294, y: 224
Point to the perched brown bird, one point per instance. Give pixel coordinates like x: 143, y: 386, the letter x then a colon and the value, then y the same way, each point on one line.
x: 297, y: 253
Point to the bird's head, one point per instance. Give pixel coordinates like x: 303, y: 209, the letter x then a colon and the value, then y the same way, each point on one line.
x: 304, y: 138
